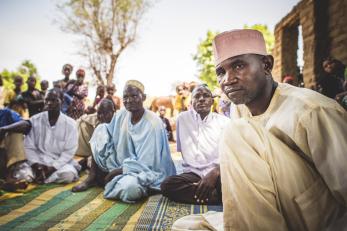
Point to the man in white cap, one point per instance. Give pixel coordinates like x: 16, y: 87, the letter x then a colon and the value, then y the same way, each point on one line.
x: 131, y: 154
x: 283, y: 156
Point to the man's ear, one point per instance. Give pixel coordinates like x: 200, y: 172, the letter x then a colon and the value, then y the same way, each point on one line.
x: 144, y: 97
x: 268, y: 61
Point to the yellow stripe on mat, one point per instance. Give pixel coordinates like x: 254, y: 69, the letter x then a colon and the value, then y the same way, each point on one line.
x: 84, y: 212
x: 35, y: 203
x: 10, y: 195
x: 131, y: 224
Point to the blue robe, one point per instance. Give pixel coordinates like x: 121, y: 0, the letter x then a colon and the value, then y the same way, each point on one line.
x: 141, y: 150
x: 8, y: 117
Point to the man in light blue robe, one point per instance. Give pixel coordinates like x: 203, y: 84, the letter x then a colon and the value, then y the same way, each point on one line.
x: 132, y: 149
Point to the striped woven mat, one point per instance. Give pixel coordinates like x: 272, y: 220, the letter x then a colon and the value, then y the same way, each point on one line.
x: 55, y: 207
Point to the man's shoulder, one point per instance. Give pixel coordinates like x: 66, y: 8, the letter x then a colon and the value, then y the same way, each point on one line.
x: 153, y: 118
x: 39, y: 116
x: 184, y: 115
x: 6, y: 112
x: 89, y: 118
x: 68, y: 120
x: 220, y: 117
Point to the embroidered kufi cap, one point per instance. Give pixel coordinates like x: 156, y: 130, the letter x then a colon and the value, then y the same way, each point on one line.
x: 238, y: 42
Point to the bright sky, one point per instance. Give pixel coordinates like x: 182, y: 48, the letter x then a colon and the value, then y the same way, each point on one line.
x: 168, y: 37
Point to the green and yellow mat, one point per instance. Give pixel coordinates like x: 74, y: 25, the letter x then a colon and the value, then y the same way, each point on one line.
x: 55, y: 207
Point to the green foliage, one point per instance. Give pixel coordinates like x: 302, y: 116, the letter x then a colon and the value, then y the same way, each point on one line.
x: 205, y: 61
x: 268, y: 35
x: 26, y: 69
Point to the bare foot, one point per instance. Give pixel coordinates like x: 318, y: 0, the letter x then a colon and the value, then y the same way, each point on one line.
x: 88, y: 183
x: 13, y: 186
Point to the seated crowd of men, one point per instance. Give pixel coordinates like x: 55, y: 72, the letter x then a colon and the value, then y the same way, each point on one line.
x: 279, y: 162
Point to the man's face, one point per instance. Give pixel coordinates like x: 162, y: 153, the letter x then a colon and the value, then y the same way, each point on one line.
x: 18, y: 82
x: 242, y: 78
x: 329, y: 66
x: 52, y: 101
x: 202, y: 100
x: 44, y: 85
x: 180, y: 90
x: 101, y: 91
x: 67, y: 71
x: 133, y: 98
x: 31, y: 82
x: 110, y: 90
x: 162, y: 111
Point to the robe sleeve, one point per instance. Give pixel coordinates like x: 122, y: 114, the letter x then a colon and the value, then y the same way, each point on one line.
x: 324, y: 131
x: 70, y: 148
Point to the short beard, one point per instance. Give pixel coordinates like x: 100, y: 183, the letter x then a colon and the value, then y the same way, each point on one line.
x: 246, y: 99
x: 250, y: 96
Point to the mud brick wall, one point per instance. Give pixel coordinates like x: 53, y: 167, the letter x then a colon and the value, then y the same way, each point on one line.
x: 324, y: 32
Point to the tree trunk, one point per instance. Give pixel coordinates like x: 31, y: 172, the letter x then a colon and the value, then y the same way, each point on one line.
x: 97, y: 73
x: 109, y: 76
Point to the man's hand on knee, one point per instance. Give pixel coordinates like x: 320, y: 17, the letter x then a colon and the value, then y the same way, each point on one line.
x: 206, y: 186
x: 38, y: 173
x: 42, y: 172
x: 49, y: 170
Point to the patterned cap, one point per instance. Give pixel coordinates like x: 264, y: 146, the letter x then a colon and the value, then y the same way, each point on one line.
x: 238, y: 42
x: 135, y: 83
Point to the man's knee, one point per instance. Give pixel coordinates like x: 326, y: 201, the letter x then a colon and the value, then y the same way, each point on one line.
x: 132, y: 193
x: 130, y: 190
x: 14, y: 148
x: 166, y: 186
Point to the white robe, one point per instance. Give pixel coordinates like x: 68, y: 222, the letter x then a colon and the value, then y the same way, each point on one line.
x: 53, y: 146
x: 197, y: 140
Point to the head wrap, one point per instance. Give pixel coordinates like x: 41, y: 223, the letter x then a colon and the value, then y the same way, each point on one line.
x: 135, y: 83
x: 238, y: 42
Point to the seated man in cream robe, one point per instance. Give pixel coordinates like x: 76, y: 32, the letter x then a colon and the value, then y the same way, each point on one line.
x: 86, y: 125
x: 50, y: 142
x: 133, y: 150
x: 283, y: 156
x: 198, y: 132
